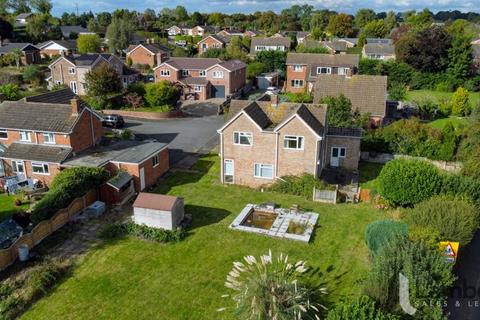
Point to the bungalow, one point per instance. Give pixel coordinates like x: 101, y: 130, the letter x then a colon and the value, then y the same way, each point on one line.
x: 30, y: 53
x: 148, y: 54
x: 379, y: 51
x: 51, y: 48
x: 269, y: 44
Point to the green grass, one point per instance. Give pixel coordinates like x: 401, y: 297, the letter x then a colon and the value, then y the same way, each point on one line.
x: 7, y: 206
x: 136, y: 279
x: 369, y: 172
x: 438, y: 96
x: 456, y: 121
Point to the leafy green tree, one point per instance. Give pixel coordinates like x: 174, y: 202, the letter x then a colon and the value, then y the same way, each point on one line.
x: 375, y: 29
x: 180, y: 52
x: 94, y: 26
x: 120, y: 32
x: 320, y: 19
x: 390, y: 21
x: 340, y: 25
x: 32, y: 74
x: 340, y: 113
x: 363, y: 17
x: 11, y: 91
x: 161, y: 93
x: 306, y: 49
x: 316, y: 34
x: 397, y: 92
x: 16, y: 55
x: 88, y: 43
x: 428, y: 273
x: 364, y: 308
x: 38, y: 27
x: 273, y: 60
x: 460, y: 57
x: 419, y: 21
x: 102, y: 81
x: 460, y: 102
x: 181, y: 14
x: 213, y: 53
x: 254, y: 69
x: 368, y: 66
x: 42, y: 6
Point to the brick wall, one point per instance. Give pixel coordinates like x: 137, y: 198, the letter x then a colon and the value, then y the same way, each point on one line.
x: 210, y: 42
x: 82, y: 136
x: 53, y: 170
x: 299, y: 75
x: 174, y: 74
x: 352, y: 152
x: 59, y: 72
x: 142, y: 56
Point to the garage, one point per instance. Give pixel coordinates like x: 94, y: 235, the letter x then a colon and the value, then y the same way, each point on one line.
x: 218, y: 91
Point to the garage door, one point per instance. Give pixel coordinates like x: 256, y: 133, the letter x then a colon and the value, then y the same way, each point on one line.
x: 218, y: 91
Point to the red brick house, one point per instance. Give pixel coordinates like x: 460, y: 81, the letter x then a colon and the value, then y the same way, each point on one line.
x: 44, y: 134
x: 211, y: 42
x: 71, y: 70
x: 148, y: 54
x: 203, y: 78
x: 30, y: 53
x: 303, y: 69
x: 265, y: 140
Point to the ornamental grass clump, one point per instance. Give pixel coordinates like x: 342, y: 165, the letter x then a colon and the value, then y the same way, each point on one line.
x: 271, y: 288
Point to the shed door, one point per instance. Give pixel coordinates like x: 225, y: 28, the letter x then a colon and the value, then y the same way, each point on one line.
x: 218, y: 91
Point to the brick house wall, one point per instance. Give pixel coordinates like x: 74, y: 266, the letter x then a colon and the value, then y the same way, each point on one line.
x: 210, y: 43
x: 261, y: 151
x: 59, y: 72
x: 296, y: 75
x: 352, y: 151
x: 237, y: 79
x: 140, y: 55
x: 174, y: 74
x: 46, y: 179
x: 86, y: 133
x: 297, y: 162
x: 36, y: 138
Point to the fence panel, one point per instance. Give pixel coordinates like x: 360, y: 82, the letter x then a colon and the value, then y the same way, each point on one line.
x: 326, y: 196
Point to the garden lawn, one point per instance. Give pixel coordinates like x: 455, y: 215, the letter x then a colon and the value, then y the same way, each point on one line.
x: 438, y: 96
x: 7, y: 206
x: 135, y: 279
x: 456, y: 122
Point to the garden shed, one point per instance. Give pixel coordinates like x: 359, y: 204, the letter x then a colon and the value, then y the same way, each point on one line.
x: 158, y: 210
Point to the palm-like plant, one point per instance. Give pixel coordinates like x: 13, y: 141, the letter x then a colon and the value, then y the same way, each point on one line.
x: 269, y: 288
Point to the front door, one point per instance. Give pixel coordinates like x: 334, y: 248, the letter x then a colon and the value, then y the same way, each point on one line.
x: 142, y: 179
x: 337, y: 153
x: 228, y: 171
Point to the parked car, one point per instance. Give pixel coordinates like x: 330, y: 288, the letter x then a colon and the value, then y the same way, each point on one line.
x: 113, y: 121
x: 272, y: 90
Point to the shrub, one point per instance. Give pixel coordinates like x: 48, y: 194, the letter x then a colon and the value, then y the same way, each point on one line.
x: 428, y: 273
x: 65, y: 187
x: 32, y: 75
x: 298, y: 185
x: 363, y: 308
x: 407, y: 182
x: 102, y: 81
x: 88, y: 43
x: 455, y: 219
x: 379, y: 233
x: 161, y: 93
x: 460, y: 104
x: 299, y: 97
x: 116, y: 230
x: 254, y: 69
x: 457, y: 185
x: 397, y: 92
x: 11, y: 91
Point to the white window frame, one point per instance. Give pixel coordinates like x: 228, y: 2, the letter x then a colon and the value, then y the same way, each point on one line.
x: 71, y: 70
x: 45, y: 168
x: 202, y: 73
x: 47, y: 136
x: 328, y: 69
x: 297, y: 83
x: 164, y: 73
x: 340, y: 149
x: 185, y: 73
x: 6, y: 134
x: 26, y: 136
x: 73, y: 86
x: 15, y: 164
x: 155, y: 161
x: 237, y: 135
x: 197, y: 88
x: 233, y: 169
x: 204, y: 46
x: 261, y: 166
x: 299, y: 140
x: 297, y: 68
x: 58, y: 82
x: 217, y: 74
x: 344, y: 72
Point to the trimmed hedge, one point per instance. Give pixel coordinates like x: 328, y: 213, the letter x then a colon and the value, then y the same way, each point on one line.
x: 118, y: 230
x: 407, y: 182
x: 299, y: 186
x: 364, y: 308
x: 380, y: 232
x: 454, y: 219
x: 65, y: 187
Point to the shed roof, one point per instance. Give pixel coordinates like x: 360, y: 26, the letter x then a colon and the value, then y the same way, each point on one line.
x: 155, y: 201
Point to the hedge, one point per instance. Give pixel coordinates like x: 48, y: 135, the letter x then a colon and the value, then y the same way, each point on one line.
x: 379, y: 233
x: 117, y: 230
x: 363, y: 308
x: 299, y: 186
x: 65, y: 187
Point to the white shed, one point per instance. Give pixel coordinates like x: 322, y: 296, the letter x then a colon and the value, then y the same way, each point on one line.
x: 158, y: 210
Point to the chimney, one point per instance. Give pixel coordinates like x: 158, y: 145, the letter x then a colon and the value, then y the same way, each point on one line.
x: 75, y: 105
x: 274, y: 99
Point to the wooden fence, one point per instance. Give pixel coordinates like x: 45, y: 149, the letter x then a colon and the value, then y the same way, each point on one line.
x: 326, y: 196
x: 46, y: 227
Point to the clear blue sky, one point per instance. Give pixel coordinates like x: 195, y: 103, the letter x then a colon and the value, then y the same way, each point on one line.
x: 246, y: 6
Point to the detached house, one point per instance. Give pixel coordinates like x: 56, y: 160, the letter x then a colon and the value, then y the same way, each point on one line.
x: 379, y: 51
x: 148, y: 54
x: 368, y: 94
x: 303, y: 69
x: 265, y: 140
x: 30, y: 53
x: 42, y: 135
x: 203, y: 78
x: 212, y: 42
x: 71, y: 70
x: 53, y: 48
x: 270, y: 44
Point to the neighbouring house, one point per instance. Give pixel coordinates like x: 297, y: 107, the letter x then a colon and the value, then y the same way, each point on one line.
x: 174, y: 31
x: 368, y: 94
x: 269, y: 44
x: 202, y: 30
x: 304, y: 68
x: 158, y: 210
x: 476, y: 57
x: 379, y: 51
x: 231, y: 33
x: 30, y: 53
x: 262, y: 141
x: 21, y: 20
x: 138, y: 39
x: 52, y: 48
x: 302, y: 36
x: 212, y: 41
x: 71, y: 70
x: 378, y: 41
x: 335, y: 47
x: 250, y: 33
x: 69, y: 31
x: 350, y: 42
x: 269, y: 79
x: 203, y: 78
x: 148, y: 54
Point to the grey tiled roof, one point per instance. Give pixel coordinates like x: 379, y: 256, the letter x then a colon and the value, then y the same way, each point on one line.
x: 67, y: 30
x: 378, y: 40
x: 256, y: 114
x: 346, y: 132
x: 272, y: 41
x: 195, y: 80
x: 17, y: 45
x: 340, y: 46
x: 367, y: 93
x: 192, y: 63
x: 377, y: 48
x: 62, y: 96
x: 324, y: 59
x: 87, y: 59
x: 36, y: 152
x: 153, y: 47
x: 69, y: 44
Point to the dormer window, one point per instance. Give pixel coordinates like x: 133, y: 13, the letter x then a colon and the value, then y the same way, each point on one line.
x: 71, y: 70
